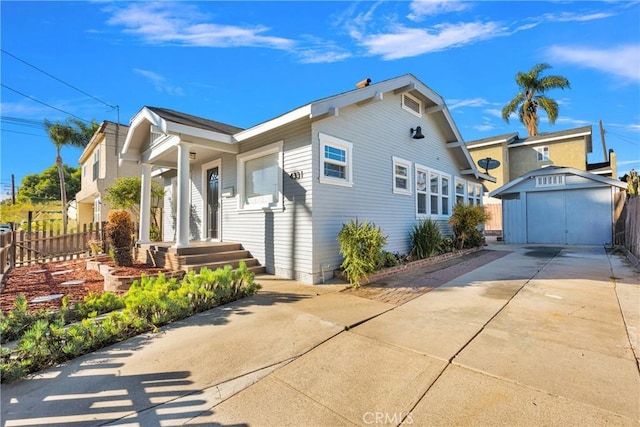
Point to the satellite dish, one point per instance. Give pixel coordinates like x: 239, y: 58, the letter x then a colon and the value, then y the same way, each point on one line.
x: 488, y: 163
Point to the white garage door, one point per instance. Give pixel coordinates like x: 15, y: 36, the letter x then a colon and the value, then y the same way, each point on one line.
x: 574, y: 217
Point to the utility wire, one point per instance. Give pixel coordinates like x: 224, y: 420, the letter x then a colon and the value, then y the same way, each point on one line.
x: 60, y: 80
x: 43, y: 103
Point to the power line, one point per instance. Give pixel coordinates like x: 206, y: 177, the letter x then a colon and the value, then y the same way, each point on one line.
x: 43, y: 103
x: 58, y: 79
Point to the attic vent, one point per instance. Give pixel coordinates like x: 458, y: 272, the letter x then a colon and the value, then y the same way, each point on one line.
x: 549, y: 180
x: 154, y: 136
x: 412, y: 104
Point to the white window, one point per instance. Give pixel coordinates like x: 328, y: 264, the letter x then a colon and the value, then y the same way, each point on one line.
x: 412, y: 104
x: 401, y: 176
x: 84, y: 170
x: 474, y: 194
x: 97, y: 205
x: 432, y: 192
x: 542, y: 153
x: 460, y: 192
x: 96, y: 164
x: 260, y: 178
x: 549, y: 180
x: 335, y: 161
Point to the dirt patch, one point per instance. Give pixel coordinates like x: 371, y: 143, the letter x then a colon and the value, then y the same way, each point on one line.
x: 67, y: 278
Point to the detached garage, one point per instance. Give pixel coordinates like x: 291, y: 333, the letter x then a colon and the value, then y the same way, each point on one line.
x: 557, y: 205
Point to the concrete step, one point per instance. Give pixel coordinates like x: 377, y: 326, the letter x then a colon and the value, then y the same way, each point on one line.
x: 211, y: 257
x: 251, y: 263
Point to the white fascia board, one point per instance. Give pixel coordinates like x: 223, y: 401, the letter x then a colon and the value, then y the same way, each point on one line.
x: 487, y: 144
x: 138, y: 122
x: 149, y: 155
x: 180, y: 129
x: 549, y: 139
x: 274, y: 123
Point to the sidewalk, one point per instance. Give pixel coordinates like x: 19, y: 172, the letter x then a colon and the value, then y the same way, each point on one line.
x: 537, y: 336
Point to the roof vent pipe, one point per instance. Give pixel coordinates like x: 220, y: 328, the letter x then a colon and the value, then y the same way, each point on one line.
x: 363, y: 83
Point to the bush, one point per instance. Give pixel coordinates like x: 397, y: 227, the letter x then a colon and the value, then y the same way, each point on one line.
x: 119, y: 231
x: 151, y: 302
x: 387, y: 260
x: 465, y: 221
x: 425, y: 239
x: 360, y: 245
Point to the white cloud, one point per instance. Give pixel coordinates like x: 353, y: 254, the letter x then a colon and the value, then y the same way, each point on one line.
x: 405, y: 42
x: 422, y: 8
x: 473, y: 102
x: 181, y: 24
x: 484, y: 128
x: 497, y: 113
x: 159, y: 82
x: 574, y: 17
x: 621, y: 61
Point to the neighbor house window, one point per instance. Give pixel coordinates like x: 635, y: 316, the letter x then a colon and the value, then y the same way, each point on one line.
x: 432, y: 192
x: 97, y: 205
x: 401, y: 176
x: 84, y: 170
x: 260, y: 177
x: 542, y: 153
x: 335, y: 161
x: 96, y: 164
x: 412, y: 104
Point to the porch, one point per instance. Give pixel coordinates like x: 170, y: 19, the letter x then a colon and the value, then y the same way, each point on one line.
x: 197, y: 255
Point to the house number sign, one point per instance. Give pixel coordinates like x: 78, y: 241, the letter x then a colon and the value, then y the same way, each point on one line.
x: 296, y: 175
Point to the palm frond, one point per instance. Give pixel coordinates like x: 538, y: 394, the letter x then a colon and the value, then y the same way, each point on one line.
x: 553, y: 82
x: 512, y: 106
x: 550, y: 107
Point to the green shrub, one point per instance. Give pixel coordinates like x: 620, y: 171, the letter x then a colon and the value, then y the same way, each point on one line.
x: 151, y: 302
x: 388, y: 260
x: 360, y: 245
x: 465, y: 221
x: 119, y: 232
x: 425, y: 239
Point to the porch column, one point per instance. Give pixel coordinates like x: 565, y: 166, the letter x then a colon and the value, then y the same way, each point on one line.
x: 182, y: 199
x: 145, y: 204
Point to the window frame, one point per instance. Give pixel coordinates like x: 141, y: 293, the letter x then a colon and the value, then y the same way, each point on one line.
x: 97, y: 210
x: 274, y: 148
x: 96, y: 164
x: 397, y: 161
x: 441, y: 197
x: 340, y: 144
x: 464, y: 195
x: 555, y: 180
x: 542, y: 153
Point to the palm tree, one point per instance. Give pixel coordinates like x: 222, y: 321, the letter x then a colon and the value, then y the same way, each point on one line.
x: 62, y: 134
x: 532, y: 96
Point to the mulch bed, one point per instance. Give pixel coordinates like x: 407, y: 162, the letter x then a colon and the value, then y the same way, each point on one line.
x: 59, y: 278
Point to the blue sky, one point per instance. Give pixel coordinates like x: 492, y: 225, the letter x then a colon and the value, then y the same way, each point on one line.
x: 246, y: 62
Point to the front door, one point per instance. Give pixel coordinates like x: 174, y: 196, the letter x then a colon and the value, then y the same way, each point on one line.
x: 213, y: 202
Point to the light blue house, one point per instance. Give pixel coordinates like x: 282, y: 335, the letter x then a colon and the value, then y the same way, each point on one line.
x: 387, y: 152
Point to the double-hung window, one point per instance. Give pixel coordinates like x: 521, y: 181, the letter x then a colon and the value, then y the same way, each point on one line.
x: 260, y: 178
x: 401, y: 176
x: 432, y: 192
x: 542, y: 153
x: 336, y: 161
x: 96, y: 164
x: 460, y: 192
x: 97, y: 208
x: 474, y: 193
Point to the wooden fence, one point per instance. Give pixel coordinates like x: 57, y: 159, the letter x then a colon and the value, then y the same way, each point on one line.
x: 627, y: 223
x: 43, y: 246
x: 6, y: 249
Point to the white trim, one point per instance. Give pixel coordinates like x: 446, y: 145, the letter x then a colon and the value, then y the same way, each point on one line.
x: 464, y: 194
x: 347, y: 147
x: 205, y: 191
x: 414, y: 99
x: 540, y: 156
x: 276, y: 147
x: 396, y: 161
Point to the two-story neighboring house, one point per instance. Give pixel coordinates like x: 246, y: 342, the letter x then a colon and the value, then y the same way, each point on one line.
x: 99, y: 162
x: 518, y: 156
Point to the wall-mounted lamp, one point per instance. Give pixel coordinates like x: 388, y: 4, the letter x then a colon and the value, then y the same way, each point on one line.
x: 192, y: 155
x: 417, y: 133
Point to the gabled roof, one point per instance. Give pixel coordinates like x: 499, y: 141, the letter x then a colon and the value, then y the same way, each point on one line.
x: 514, y: 140
x: 95, y: 139
x: 554, y: 170
x: 194, y: 121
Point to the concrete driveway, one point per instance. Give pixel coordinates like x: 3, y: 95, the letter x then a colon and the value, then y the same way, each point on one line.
x: 528, y: 335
